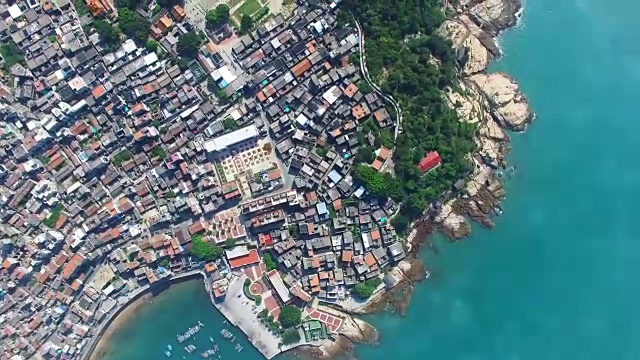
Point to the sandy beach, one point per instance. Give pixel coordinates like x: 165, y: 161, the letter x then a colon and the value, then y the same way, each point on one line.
x: 103, y: 344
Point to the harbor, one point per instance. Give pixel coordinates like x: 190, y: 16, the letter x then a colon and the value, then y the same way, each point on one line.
x: 173, y: 313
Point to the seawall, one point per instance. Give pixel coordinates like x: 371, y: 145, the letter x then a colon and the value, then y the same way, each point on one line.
x: 133, y: 296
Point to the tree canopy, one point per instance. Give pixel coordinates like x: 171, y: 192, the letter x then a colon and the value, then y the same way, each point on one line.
x: 269, y: 262
x: 189, y: 44
x: 109, y: 34
x: 218, y: 16
x: 364, y: 290
x: 133, y: 25
x: 412, y: 63
x: 290, y: 316
x: 365, y: 155
x: 246, y: 23
x: 204, y: 250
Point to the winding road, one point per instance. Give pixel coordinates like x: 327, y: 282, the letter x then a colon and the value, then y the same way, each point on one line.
x: 374, y: 86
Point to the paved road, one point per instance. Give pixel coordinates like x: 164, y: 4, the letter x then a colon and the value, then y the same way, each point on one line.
x: 374, y: 86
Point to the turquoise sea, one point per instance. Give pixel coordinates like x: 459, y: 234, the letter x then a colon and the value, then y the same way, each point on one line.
x: 557, y: 277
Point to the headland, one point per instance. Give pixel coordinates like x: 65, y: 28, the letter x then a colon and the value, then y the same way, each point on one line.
x: 283, y: 152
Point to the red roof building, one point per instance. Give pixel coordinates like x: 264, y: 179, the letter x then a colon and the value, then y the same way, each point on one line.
x: 251, y: 258
x: 430, y: 161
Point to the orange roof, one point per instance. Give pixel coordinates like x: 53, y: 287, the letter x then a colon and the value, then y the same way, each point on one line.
x: 248, y: 259
x: 375, y: 235
x: 384, y: 153
x: 315, y: 261
x: 164, y: 23
x: 347, y: 255
x: 351, y: 90
x: 324, y: 275
x: 311, y: 46
x: 210, y: 267
x: 377, y: 164
x: 95, y: 6
x: 98, y: 91
x: 369, y: 260
x: 178, y: 12
x: 358, y: 112
x: 337, y: 204
x: 72, y: 265
x: 261, y: 96
x: 314, y: 280
x: 301, y: 67
x: 327, y: 65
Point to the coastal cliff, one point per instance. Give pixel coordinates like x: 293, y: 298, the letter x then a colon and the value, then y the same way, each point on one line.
x: 492, y: 101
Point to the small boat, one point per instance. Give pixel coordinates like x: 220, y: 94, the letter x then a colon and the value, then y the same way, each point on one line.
x: 211, y: 339
x: 169, y: 347
x: 200, y: 324
x: 168, y: 353
x: 238, y: 347
x: 215, y: 347
x: 426, y: 275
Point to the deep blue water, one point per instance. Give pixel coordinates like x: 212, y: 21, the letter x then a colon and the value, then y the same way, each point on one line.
x: 557, y: 277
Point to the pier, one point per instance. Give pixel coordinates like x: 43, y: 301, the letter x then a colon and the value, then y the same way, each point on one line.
x: 239, y: 311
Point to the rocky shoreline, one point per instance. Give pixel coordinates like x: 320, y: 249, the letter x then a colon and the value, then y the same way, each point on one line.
x: 494, y: 103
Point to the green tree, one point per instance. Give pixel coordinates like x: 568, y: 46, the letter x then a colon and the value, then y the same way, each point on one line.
x: 269, y: 262
x: 165, y: 263
x: 11, y: 54
x: 290, y: 316
x: 229, y: 124
x: 218, y: 16
x: 204, y: 250
x: 159, y: 152
x: 246, y: 23
x: 110, y: 34
x: 151, y: 45
x: 365, y: 155
x: 230, y: 243
x: 364, y: 290
x: 364, y: 87
x: 189, y: 44
x: 290, y: 336
x: 133, y: 25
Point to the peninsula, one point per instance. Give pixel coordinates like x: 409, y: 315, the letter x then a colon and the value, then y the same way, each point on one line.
x: 290, y: 154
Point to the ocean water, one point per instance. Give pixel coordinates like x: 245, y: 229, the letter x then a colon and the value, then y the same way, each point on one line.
x: 147, y: 333
x: 557, y: 277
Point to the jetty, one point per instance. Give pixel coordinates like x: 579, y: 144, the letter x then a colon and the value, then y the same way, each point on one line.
x: 239, y: 313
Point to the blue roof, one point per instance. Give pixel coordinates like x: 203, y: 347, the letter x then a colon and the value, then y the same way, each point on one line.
x: 223, y: 84
x: 335, y: 176
x: 322, y: 208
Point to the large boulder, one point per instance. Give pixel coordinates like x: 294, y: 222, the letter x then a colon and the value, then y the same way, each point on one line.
x: 509, y: 107
x: 495, y: 15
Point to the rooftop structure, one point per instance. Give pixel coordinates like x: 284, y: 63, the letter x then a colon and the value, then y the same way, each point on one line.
x: 225, y: 141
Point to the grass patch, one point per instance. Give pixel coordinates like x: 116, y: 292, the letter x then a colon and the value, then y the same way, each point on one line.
x: 81, y: 7
x: 249, y: 7
x: 11, y: 54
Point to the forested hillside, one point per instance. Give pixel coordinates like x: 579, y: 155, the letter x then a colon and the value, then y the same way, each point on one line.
x: 401, y: 44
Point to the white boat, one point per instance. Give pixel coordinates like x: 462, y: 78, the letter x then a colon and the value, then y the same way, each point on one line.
x: 168, y: 353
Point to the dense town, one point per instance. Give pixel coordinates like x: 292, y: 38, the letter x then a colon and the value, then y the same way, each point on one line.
x: 222, y: 144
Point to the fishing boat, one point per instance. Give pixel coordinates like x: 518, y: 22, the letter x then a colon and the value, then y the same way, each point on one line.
x: 215, y: 347
x: 169, y: 347
x: 200, y: 324
x: 226, y: 334
x: 168, y: 353
x: 426, y: 275
x: 211, y: 339
x: 238, y: 347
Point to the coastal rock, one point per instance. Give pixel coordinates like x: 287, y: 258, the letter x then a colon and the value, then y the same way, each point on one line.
x: 477, y: 55
x: 467, y: 103
x: 509, y: 106
x: 452, y: 224
x: 495, y: 15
